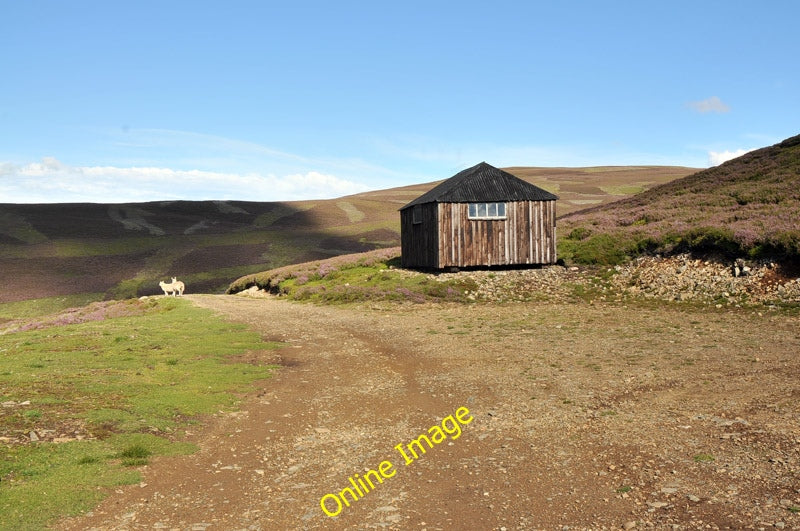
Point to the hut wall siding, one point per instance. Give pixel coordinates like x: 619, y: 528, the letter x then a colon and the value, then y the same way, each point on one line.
x: 525, y: 236
x: 446, y: 237
x: 419, y: 241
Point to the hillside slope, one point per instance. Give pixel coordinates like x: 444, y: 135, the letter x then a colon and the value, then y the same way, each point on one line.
x: 747, y: 206
x: 123, y: 250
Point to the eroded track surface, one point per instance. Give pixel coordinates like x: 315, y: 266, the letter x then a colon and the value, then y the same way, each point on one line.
x: 590, y: 416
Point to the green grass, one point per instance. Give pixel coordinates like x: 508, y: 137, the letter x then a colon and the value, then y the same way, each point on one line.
x: 32, y: 414
x: 356, y: 277
x: 45, y: 481
x: 353, y: 213
x: 582, y: 246
x: 127, y: 386
x: 39, y: 307
x: 622, y: 189
x: 135, y: 455
x: 374, y: 283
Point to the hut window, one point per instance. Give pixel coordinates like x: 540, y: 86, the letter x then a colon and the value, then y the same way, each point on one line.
x: 487, y: 211
x: 416, y: 214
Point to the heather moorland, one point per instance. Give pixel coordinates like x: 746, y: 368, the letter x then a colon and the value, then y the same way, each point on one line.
x: 749, y: 207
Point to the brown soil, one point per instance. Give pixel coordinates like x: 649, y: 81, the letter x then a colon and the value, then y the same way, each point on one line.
x: 584, y: 415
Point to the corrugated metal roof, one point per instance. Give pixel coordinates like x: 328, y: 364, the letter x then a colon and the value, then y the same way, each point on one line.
x: 482, y: 183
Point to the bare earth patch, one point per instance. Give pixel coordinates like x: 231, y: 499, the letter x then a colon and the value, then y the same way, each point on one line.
x: 591, y: 416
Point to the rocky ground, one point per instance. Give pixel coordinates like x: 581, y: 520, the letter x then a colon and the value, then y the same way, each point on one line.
x: 685, y: 278
x: 585, y: 414
x: 708, y: 281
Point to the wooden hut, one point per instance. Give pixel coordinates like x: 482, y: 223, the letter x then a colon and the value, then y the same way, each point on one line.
x: 480, y: 217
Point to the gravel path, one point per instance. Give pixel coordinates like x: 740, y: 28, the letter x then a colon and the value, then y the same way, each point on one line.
x: 582, y: 415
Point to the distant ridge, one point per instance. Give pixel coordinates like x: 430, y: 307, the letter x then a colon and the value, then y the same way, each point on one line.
x: 100, y: 251
x: 747, y: 206
x: 123, y: 250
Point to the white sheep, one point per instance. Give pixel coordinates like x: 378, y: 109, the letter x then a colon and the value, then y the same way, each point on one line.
x: 178, y: 286
x: 173, y: 288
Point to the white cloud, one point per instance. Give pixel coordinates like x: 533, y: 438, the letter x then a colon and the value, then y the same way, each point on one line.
x: 53, y: 181
x: 712, y: 104
x: 6, y: 168
x: 715, y: 158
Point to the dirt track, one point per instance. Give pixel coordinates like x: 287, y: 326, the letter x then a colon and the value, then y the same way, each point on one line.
x: 583, y: 415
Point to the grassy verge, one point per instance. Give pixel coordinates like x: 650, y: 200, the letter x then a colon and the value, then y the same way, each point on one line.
x: 356, y: 277
x: 583, y: 246
x: 84, y: 403
x: 375, y: 282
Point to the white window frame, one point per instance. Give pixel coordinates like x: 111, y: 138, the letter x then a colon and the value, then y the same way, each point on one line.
x: 494, y: 210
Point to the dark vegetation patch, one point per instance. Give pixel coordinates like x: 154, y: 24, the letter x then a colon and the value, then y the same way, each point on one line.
x: 220, y: 256
x: 295, y: 220
x: 8, y: 240
x: 381, y: 237
x: 46, y: 276
x: 69, y: 220
x: 92, y: 220
x: 362, y: 241
x: 346, y: 245
x: 208, y: 284
x: 314, y: 218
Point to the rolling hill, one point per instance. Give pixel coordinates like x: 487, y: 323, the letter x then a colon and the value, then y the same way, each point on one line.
x: 749, y: 206
x: 102, y: 251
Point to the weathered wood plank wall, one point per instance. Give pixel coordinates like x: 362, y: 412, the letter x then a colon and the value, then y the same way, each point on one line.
x: 419, y: 243
x: 446, y: 237
x: 526, y: 236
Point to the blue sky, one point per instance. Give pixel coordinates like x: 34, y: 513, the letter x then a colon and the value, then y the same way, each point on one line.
x: 260, y: 100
